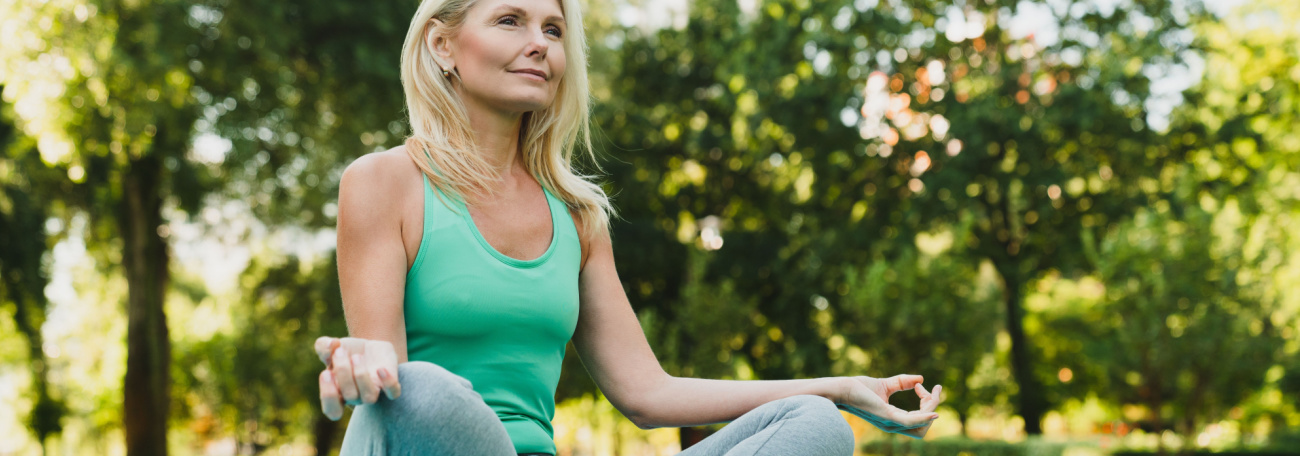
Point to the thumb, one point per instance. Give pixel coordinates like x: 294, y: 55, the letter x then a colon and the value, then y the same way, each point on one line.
x: 917, y: 418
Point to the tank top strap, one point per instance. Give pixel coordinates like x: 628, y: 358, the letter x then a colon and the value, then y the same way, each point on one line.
x: 439, y: 209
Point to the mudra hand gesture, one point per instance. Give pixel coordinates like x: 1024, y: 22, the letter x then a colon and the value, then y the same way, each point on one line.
x: 868, y: 398
x: 356, y: 371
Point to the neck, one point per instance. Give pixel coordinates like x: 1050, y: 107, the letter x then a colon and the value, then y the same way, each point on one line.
x: 497, y: 136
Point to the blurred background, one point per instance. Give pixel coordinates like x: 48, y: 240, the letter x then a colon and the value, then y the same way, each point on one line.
x: 1072, y: 214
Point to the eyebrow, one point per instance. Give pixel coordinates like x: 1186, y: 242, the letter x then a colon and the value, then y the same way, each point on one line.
x: 520, y: 11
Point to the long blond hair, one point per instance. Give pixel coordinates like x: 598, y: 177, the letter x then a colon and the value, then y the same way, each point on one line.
x: 442, y: 140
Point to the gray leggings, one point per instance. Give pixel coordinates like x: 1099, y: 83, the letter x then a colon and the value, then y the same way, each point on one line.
x: 439, y: 413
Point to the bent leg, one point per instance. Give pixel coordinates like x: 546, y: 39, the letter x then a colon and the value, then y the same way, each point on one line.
x: 804, y: 425
x: 437, y: 413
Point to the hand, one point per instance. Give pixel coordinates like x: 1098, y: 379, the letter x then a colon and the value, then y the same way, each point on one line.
x: 356, y: 370
x: 868, y: 398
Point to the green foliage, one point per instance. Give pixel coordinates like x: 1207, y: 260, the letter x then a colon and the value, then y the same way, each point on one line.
x: 964, y: 447
x: 922, y: 314
x: 259, y: 381
x: 1030, y: 194
x: 25, y: 195
x: 1283, y: 452
x: 715, y: 325
x: 302, y: 102
x: 753, y: 118
x: 1159, y: 336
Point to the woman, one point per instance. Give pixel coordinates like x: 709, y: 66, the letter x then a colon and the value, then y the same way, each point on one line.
x: 475, y: 253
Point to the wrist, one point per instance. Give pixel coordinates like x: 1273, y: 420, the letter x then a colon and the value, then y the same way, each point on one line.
x: 837, y: 389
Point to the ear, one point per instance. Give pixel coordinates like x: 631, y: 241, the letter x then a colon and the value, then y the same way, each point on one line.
x: 439, y: 44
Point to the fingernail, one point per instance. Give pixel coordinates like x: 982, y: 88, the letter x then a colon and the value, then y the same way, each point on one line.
x: 329, y: 376
x: 383, y: 378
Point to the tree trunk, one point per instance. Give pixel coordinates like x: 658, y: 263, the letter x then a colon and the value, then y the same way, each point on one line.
x: 145, y: 259
x: 962, y: 417
x: 1155, y: 399
x: 324, y: 431
x: 1159, y: 428
x: 692, y: 435
x: 1030, y: 402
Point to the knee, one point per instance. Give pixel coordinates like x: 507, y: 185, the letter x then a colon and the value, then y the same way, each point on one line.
x: 434, y: 402
x: 834, y: 428
x: 422, y: 377
x: 428, y: 388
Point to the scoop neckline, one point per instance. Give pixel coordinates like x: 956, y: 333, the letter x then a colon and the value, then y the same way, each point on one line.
x: 509, y: 260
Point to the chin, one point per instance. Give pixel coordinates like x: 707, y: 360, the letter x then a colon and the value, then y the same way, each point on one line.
x: 528, y: 104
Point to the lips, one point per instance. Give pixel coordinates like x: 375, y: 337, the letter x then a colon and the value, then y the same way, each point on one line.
x: 533, y: 72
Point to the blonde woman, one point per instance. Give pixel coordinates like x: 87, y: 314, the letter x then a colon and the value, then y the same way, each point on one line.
x: 471, y: 255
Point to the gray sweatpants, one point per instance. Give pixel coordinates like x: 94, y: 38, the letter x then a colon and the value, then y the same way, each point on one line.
x: 440, y: 414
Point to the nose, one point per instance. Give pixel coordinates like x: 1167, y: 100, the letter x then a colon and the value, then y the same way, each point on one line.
x: 537, y: 45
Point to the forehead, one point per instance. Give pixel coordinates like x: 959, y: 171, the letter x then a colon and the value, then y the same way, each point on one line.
x: 549, y: 9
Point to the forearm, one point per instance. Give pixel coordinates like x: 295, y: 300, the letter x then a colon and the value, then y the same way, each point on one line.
x: 683, y: 401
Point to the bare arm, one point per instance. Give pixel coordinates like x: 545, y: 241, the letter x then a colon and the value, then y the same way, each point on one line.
x: 371, y: 257
x: 613, y: 347
x: 372, y: 278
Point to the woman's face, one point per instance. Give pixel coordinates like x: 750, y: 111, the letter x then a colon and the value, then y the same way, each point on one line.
x: 502, y: 41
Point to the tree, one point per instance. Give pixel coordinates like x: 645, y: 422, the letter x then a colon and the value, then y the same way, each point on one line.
x: 930, y: 313
x: 821, y: 133
x: 24, y: 209
x: 1174, y: 294
x: 117, y: 92
x: 1052, y: 140
x: 253, y: 382
x: 104, y: 88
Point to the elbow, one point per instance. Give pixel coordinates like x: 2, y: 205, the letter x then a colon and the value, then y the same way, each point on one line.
x: 643, y: 422
x: 641, y: 408
x: 638, y: 415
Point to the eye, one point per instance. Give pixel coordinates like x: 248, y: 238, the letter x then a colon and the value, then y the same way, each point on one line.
x: 558, y: 32
x: 510, y: 19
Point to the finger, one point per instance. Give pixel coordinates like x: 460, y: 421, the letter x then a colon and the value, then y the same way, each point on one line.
x: 383, y: 359
x: 388, y: 381
x: 919, y: 418
x: 921, y: 392
x: 902, y: 382
x: 330, y: 401
x: 325, y: 346
x: 932, y: 399
x: 354, y: 344
x: 367, y: 382
x: 343, y: 375
x: 913, y: 419
x: 918, y: 433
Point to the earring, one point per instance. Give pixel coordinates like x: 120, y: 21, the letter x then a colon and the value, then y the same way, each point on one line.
x: 446, y: 73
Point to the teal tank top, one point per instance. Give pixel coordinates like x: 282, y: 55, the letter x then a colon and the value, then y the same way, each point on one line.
x: 500, y: 322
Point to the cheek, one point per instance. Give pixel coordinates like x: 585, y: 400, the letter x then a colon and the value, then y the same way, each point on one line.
x: 480, y: 53
x: 559, y: 64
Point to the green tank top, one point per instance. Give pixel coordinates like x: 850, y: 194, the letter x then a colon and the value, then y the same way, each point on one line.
x: 500, y: 322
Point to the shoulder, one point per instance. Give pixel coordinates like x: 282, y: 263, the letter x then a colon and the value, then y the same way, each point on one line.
x: 379, y: 182
x: 388, y: 174
x: 594, y: 237
x: 380, y: 168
